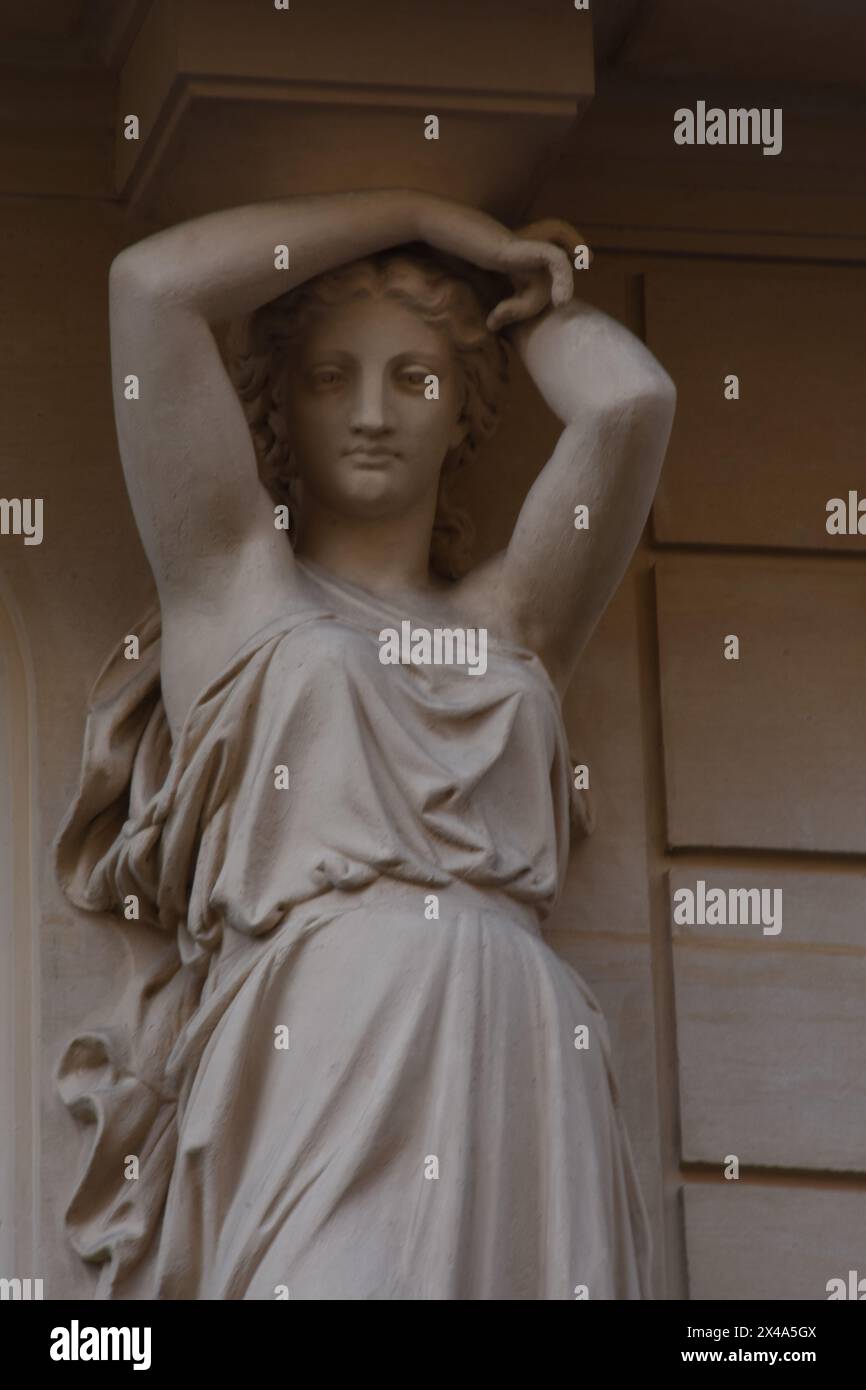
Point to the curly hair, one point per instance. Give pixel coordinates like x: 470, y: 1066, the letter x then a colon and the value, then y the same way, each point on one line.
x: 445, y: 293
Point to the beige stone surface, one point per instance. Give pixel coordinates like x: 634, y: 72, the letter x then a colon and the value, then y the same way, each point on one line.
x: 239, y: 103
x: 760, y: 470
x: 55, y: 135
x: 772, y: 1049
x: 756, y: 1241
x: 624, y: 177
x: 763, y: 752
x: 822, y: 903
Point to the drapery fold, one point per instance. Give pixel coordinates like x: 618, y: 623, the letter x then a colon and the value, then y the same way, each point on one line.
x: 182, y: 842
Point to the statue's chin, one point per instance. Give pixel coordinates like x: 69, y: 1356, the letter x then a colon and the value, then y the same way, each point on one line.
x: 368, y: 491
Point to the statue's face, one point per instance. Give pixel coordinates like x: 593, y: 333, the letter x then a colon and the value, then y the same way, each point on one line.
x: 367, y: 440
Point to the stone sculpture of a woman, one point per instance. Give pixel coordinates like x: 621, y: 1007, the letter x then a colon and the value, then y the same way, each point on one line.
x: 346, y: 1065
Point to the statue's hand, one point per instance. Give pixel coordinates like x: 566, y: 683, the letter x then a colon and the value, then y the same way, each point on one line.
x: 532, y: 258
x: 536, y: 287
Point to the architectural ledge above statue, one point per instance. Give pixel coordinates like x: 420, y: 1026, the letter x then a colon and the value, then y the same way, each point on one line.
x: 236, y: 103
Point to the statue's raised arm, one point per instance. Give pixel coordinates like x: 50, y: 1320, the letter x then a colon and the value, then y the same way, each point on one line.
x: 582, y: 519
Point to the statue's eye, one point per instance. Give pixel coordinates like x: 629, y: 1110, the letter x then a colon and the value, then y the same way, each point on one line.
x: 326, y: 376
x: 415, y: 376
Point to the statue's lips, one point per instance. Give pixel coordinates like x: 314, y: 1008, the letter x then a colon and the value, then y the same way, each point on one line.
x: 371, y: 457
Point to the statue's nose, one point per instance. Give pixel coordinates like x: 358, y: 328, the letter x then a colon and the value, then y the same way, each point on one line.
x: 370, y: 407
